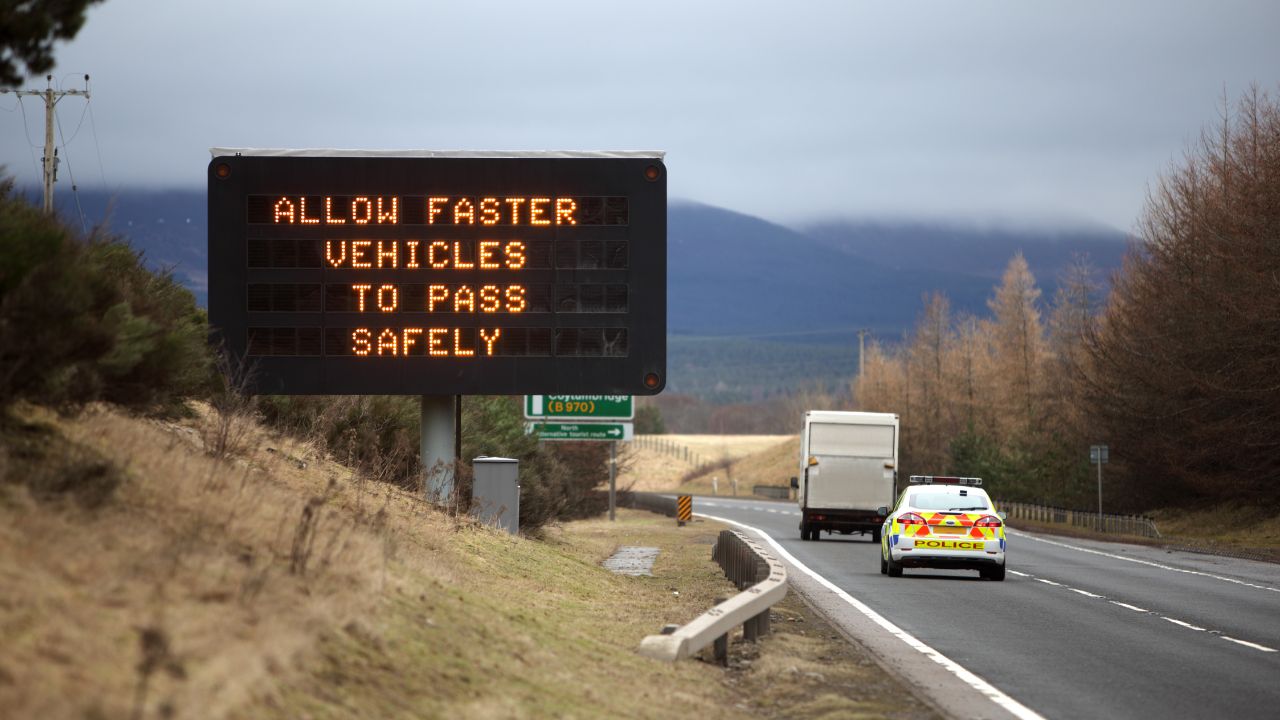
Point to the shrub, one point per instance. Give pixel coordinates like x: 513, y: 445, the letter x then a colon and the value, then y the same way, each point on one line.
x: 83, y: 319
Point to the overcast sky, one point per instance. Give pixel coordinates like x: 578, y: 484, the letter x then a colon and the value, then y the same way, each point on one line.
x: 1016, y: 110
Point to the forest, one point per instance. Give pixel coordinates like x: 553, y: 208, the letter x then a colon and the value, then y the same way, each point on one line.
x: 1177, y: 369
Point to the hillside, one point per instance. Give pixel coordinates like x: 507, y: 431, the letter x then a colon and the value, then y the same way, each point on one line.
x: 754, y: 308
x: 142, y: 578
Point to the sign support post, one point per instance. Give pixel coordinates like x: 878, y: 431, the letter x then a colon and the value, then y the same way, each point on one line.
x: 1098, y: 455
x: 437, y: 447
x: 613, y: 477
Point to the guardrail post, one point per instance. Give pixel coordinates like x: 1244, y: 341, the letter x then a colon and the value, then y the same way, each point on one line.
x: 721, y: 645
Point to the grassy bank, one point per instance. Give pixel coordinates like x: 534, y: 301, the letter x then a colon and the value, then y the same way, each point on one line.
x: 272, y: 582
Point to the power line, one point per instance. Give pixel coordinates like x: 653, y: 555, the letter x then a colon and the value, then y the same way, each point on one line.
x: 50, y: 164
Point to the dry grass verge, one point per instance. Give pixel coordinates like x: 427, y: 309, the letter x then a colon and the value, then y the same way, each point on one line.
x: 271, y: 582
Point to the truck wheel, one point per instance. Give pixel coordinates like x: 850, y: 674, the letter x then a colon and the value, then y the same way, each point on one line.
x: 804, y: 532
x: 815, y: 534
x: 892, y: 569
x: 875, y: 536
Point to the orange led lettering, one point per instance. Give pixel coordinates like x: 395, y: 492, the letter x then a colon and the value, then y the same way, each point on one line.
x: 360, y: 291
x: 435, y: 342
x: 536, y: 212
x: 283, y: 209
x: 432, y: 210
x: 358, y: 249
x: 413, y: 254
x: 435, y: 294
x: 361, y: 218
x: 565, y: 208
x: 489, y: 211
x: 463, y: 209
x: 515, y: 299
x: 457, y: 345
x: 464, y: 296
x: 329, y: 219
x: 388, y: 305
x: 515, y: 254
x: 431, y: 254
x: 489, y: 341
x: 489, y: 299
x: 391, y: 216
x: 457, y: 258
x: 410, y: 337
x: 302, y: 212
x: 515, y: 209
x: 486, y: 254
x: 362, y: 341
x: 387, y: 341
x: 342, y: 252
x: 391, y: 253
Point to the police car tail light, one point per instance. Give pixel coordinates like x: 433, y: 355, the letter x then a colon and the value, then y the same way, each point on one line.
x: 990, y: 521
x: 911, y: 519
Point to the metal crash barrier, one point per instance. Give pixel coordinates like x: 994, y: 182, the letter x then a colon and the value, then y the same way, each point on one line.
x: 762, y: 579
x: 1106, y: 523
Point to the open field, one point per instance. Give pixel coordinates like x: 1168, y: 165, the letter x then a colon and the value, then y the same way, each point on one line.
x: 273, y: 583
x: 662, y: 462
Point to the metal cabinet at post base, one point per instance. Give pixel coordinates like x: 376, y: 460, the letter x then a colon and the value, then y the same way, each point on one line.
x: 495, y: 492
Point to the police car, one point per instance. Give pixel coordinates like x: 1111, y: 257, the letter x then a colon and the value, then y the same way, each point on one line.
x: 943, y: 522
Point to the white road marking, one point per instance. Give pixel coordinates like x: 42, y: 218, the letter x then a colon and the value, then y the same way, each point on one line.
x: 987, y: 689
x: 1246, y: 643
x: 1184, y: 624
x: 1143, y: 562
x: 1135, y: 608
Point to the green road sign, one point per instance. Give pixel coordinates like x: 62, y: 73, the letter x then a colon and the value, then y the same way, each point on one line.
x: 587, y: 407
x: 582, y: 431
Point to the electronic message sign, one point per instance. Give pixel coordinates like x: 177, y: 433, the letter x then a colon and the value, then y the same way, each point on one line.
x: 337, y: 272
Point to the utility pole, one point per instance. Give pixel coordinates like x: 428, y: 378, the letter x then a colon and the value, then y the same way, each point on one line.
x: 51, y: 98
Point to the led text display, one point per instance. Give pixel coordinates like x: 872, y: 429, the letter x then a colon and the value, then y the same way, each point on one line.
x: 441, y: 275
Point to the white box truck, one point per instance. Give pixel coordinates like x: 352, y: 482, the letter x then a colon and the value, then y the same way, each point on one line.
x: 848, y: 470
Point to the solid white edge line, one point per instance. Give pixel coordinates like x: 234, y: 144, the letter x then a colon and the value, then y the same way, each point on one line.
x: 987, y: 689
x: 1049, y: 582
x: 1029, y: 536
x: 1246, y: 643
x: 1134, y: 608
x: 1084, y: 592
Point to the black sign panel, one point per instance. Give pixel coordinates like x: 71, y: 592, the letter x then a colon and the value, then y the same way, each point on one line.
x: 352, y: 274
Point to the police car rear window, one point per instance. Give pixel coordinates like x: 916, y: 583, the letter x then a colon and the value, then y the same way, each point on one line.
x: 947, y: 501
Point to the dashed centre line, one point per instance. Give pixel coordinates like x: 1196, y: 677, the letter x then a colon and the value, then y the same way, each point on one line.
x: 1135, y: 608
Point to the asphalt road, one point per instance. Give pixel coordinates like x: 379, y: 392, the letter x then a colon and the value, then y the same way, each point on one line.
x: 1079, y: 628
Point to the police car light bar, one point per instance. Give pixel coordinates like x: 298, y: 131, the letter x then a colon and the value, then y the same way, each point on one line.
x: 944, y: 480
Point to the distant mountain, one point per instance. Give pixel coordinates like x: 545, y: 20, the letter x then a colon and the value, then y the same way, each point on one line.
x: 971, y: 249
x: 753, y: 307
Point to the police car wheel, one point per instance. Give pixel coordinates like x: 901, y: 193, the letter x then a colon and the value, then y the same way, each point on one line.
x: 995, y: 573
x: 892, y: 569
x: 884, y: 567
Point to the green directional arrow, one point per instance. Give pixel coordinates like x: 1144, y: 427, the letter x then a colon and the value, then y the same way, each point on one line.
x: 581, y: 431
